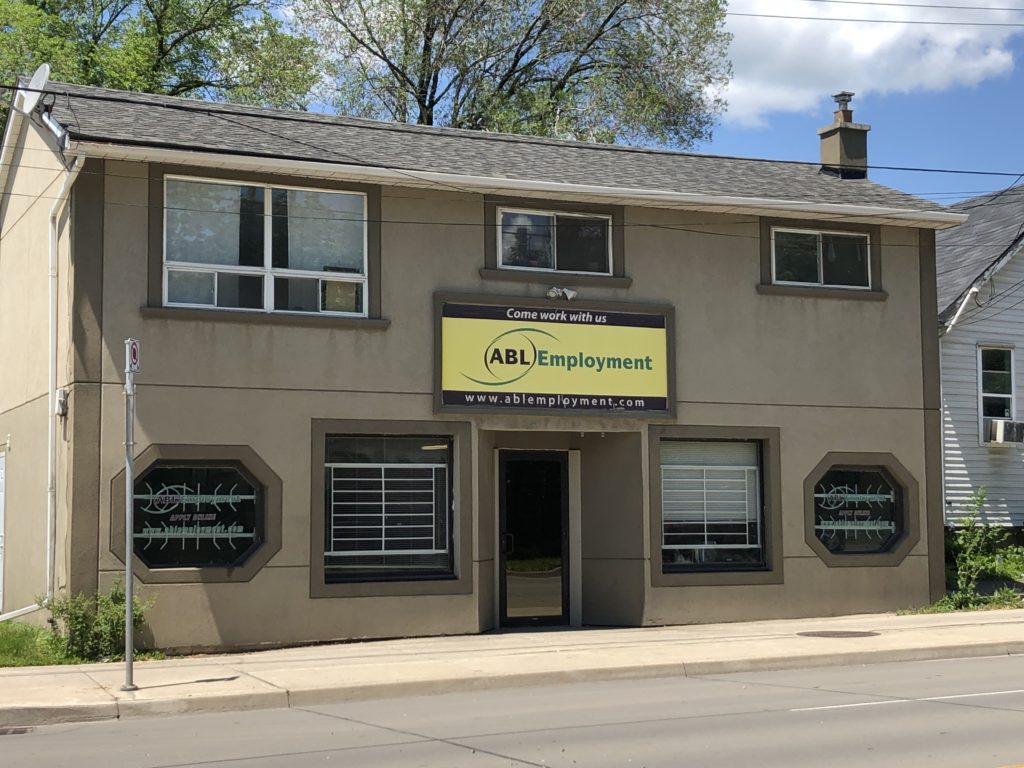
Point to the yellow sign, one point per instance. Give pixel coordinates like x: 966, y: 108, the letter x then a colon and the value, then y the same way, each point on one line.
x: 495, y: 356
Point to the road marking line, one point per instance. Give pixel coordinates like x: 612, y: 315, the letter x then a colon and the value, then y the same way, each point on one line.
x: 969, y: 695
x: 850, y: 706
x: 907, y: 701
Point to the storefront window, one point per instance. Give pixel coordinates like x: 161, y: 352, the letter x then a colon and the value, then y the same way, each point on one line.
x: 197, y: 514
x: 712, y: 512
x: 388, y: 507
x: 858, y: 510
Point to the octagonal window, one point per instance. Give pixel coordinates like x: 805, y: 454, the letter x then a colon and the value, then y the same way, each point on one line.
x: 858, y: 510
x: 197, y: 514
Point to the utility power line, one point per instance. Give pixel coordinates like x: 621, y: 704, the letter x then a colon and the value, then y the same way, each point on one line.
x: 918, y: 5
x: 880, y: 21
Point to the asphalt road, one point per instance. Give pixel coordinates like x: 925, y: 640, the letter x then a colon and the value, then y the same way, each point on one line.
x: 967, y: 712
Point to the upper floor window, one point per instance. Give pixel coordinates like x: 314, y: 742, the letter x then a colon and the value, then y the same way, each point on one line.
x: 996, y: 382
x: 262, y: 247
x: 820, y: 258
x: 553, y: 241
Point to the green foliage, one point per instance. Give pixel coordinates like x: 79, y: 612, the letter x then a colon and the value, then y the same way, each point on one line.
x: 1005, y: 597
x: 977, y: 551
x: 220, y: 49
x: 91, y: 627
x: 23, y: 645
x: 637, y: 71
x: 29, y: 37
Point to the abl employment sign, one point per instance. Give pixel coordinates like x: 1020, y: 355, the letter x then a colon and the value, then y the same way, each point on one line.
x: 537, y: 358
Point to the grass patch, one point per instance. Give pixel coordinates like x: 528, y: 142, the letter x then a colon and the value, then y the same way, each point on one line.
x: 23, y: 645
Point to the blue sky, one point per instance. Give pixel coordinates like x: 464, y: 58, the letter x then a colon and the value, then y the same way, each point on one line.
x: 936, y: 96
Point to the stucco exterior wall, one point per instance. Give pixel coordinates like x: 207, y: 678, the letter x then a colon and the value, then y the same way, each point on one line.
x: 24, y: 566
x: 831, y: 374
x: 36, y: 181
x: 36, y: 178
x: 810, y: 587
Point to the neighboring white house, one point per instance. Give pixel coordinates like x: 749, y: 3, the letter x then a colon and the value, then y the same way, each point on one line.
x: 980, y: 272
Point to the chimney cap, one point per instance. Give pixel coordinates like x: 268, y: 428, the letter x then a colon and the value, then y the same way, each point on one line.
x: 843, y: 99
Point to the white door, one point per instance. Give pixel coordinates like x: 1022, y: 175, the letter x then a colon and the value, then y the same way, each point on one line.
x: 3, y: 473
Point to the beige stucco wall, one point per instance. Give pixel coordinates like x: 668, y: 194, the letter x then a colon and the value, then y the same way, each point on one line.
x: 34, y: 184
x: 24, y: 566
x: 810, y: 588
x: 833, y: 375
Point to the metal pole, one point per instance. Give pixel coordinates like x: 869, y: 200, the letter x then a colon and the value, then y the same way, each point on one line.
x: 129, y: 518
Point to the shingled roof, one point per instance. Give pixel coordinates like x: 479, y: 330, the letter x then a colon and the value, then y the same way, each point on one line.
x: 97, y: 115
x: 994, y: 229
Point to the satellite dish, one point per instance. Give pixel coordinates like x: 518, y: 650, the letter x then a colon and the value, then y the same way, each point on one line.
x: 34, y: 90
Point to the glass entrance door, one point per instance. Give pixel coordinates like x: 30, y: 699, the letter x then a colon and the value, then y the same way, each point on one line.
x: 534, y: 537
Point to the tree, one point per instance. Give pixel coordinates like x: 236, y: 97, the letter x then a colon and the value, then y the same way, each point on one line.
x: 635, y: 71
x: 217, y: 49
x: 29, y: 37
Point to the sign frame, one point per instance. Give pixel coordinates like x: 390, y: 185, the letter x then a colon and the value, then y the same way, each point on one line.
x: 667, y: 311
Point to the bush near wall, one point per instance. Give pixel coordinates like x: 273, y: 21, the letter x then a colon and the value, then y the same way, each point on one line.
x: 91, y: 627
x: 983, y: 569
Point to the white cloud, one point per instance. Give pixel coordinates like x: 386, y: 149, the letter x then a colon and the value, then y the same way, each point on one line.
x: 790, y: 65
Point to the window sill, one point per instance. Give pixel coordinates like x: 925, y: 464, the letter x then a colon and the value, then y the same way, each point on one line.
x: 663, y: 579
x: 265, y: 318
x: 571, y: 279
x: 450, y: 585
x: 821, y: 293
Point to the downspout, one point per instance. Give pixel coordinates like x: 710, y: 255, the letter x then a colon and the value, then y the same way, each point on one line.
x: 51, y: 454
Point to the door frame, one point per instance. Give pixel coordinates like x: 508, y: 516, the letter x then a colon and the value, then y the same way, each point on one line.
x: 562, y: 457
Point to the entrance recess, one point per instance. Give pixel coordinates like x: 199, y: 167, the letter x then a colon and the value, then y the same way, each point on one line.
x: 534, y: 522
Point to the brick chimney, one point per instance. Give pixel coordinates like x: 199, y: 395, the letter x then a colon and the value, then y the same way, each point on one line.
x: 844, y: 144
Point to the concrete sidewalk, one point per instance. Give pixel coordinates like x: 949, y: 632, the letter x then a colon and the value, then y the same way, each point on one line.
x: 331, y: 673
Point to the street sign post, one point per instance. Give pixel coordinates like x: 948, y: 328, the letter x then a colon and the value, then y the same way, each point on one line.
x: 131, y: 367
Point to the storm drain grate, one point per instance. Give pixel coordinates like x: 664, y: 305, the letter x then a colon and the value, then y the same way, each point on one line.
x: 15, y: 731
x: 838, y: 633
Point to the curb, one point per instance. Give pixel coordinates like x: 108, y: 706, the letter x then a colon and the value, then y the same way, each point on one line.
x: 17, y: 717
x: 125, y: 708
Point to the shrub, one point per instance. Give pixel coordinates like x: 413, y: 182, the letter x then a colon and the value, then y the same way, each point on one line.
x: 91, y: 627
x: 977, y: 551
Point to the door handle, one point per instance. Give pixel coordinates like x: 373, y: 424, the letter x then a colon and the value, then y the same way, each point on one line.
x: 507, y: 543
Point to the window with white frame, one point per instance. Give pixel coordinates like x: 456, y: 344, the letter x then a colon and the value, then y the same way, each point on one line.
x: 554, y: 242
x: 820, y: 258
x: 261, y: 247
x: 996, y: 382
x: 711, y: 505
x: 388, y: 507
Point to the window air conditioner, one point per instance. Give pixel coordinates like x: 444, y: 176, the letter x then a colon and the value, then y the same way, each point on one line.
x: 1003, y: 432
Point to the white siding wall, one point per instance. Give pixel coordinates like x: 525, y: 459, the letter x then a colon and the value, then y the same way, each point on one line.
x: 968, y: 464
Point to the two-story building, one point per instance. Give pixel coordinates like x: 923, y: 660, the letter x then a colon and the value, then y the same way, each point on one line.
x: 400, y: 380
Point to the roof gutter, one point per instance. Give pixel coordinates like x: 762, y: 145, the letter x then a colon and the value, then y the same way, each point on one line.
x: 485, y: 184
